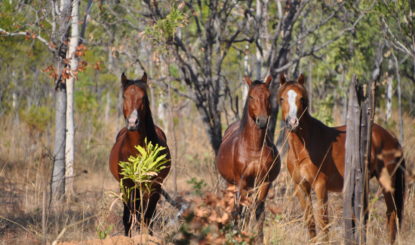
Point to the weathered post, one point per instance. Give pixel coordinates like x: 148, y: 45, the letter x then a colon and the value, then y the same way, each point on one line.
x: 358, y: 144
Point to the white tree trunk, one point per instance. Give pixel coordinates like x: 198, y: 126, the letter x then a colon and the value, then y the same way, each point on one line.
x: 389, y: 99
x: 70, y: 127
x: 258, y: 61
x: 247, y: 72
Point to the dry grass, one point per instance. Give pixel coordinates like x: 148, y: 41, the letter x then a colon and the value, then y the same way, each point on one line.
x: 25, y: 167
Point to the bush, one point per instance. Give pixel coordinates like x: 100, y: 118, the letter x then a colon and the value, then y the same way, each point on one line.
x: 141, y: 169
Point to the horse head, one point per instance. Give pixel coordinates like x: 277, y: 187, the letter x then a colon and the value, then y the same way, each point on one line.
x: 293, y: 100
x: 135, y: 101
x: 258, y: 104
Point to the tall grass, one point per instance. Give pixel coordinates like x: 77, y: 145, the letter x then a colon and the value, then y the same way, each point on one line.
x: 25, y: 167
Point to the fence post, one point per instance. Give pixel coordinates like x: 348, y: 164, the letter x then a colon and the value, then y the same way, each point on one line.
x: 358, y: 144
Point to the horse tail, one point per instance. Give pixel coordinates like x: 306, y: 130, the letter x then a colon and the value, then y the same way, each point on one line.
x: 399, y: 194
x: 179, y: 204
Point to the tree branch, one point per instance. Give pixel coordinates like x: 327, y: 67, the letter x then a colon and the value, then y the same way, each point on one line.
x: 26, y: 34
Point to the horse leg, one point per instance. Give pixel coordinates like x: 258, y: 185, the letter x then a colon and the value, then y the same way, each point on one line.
x: 259, y: 211
x: 151, y: 209
x: 392, y: 221
x: 302, y: 192
x: 322, y: 204
x: 127, y: 220
x: 394, y: 199
x: 238, y: 210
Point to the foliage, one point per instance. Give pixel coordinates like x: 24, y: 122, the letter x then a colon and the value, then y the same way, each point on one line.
x: 197, y: 185
x: 164, y: 29
x: 143, y: 168
x: 38, y: 118
x: 103, y: 232
x: 209, y: 221
x: 325, y: 110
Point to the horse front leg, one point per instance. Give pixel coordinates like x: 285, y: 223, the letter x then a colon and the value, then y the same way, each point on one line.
x: 127, y: 221
x: 302, y: 191
x: 151, y: 209
x: 322, y: 205
x: 259, y: 211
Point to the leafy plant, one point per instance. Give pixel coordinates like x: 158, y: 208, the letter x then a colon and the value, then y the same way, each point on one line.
x: 103, y: 232
x: 209, y: 220
x: 197, y: 185
x: 141, y: 169
x: 164, y: 29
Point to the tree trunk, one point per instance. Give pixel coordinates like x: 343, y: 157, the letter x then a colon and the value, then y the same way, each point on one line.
x: 389, y: 99
x: 59, y: 37
x: 398, y: 78
x: 310, y: 87
x: 58, y: 172
x: 279, y: 59
x: 70, y: 84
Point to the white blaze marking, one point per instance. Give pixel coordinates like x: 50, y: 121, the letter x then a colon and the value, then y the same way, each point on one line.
x: 291, y: 101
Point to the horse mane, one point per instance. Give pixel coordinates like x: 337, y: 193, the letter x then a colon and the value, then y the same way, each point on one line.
x: 150, y: 126
x: 244, y: 119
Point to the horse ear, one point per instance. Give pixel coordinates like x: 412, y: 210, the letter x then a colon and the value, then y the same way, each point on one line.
x: 268, y: 80
x: 282, y: 78
x: 144, y: 77
x: 248, y: 80
x: 301, y: 79
x: 124, y: 79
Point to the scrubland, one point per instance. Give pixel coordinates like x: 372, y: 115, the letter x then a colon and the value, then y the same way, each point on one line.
x: 95, y: 212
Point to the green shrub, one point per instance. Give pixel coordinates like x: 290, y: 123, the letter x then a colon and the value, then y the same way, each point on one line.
x: 141, y: 169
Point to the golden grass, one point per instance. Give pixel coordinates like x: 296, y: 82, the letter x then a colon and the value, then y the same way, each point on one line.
x: 25, y: 167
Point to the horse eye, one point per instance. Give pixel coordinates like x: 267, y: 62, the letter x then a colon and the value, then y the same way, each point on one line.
x: 281, y: 100
x: 250, y: 97
x: 303, y: 101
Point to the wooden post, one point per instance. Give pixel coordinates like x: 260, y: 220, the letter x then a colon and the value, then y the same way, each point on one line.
x: 358, y: 143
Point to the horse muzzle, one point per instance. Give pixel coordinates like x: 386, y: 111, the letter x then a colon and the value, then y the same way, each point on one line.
x: 133, y: 121
x: 292, y: 123
x: 261, y: 121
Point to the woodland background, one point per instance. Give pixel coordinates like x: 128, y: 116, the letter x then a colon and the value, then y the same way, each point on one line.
x: 195, y: 54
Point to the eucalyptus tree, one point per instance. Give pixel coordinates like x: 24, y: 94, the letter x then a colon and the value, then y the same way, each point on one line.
x: 52, y: 28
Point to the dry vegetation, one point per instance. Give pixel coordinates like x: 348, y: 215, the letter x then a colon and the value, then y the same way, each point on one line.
x: 94, y: 212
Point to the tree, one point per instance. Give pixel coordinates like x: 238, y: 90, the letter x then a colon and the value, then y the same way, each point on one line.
x: 214, y: 27
x: 70, y: 84
x: 61, y: 12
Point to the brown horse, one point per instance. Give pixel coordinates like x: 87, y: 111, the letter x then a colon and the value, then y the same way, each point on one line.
x: 139, y: 125
x: 246, y: 157
x: 316, y: 156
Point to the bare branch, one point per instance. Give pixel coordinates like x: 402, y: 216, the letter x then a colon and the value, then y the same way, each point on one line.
x: 26, y: 34
x: 395, y: 42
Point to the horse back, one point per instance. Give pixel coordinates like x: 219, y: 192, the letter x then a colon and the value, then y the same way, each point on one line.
x: 385, y: 150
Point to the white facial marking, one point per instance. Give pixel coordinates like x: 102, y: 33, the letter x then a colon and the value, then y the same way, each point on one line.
x: 133, y: 117
x: 291, y: 101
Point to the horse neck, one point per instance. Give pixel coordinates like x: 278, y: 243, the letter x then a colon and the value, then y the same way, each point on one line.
x: 302, y: 135
x: 251, y: 134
